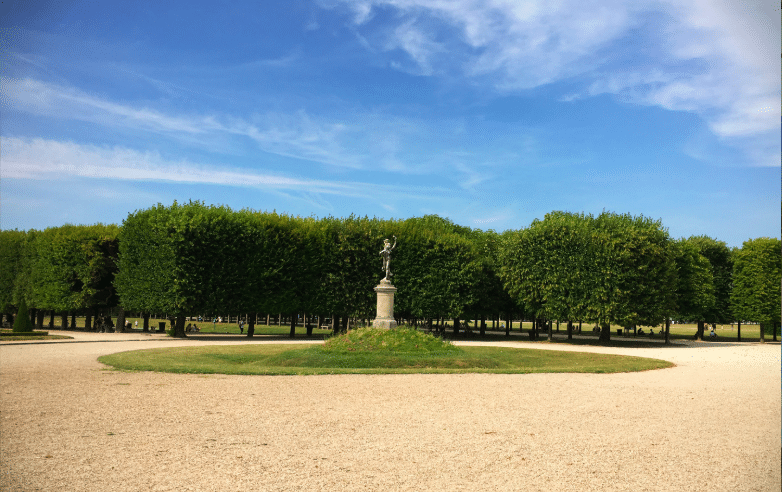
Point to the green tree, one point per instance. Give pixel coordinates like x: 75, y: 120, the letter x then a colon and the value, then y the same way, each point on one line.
x: 71, y: 268
x: 545, y: 266
x: 721, y: 266
x: 12, y: 243
x: 632, y: 272
x: 22, y: 322
x: 435, y: 270
x: 756, y: 282
x: 695, y: 299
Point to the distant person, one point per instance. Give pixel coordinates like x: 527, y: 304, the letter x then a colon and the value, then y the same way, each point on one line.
x: 241, y: 326
x: 712, y: 333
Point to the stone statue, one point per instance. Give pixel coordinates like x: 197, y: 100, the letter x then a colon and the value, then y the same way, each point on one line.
x: 386, y: 253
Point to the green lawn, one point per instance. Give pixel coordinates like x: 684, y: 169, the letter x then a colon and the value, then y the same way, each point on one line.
x: 365, y: 352
x: 725, y: 333
x: 8, y: 336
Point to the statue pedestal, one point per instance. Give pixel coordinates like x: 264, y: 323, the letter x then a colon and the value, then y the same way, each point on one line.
x: 385, y: 305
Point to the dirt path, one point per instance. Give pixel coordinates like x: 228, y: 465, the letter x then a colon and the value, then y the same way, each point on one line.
x: 710, y: 423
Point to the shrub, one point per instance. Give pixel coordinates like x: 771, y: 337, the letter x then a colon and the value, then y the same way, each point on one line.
x: 399, y: 340
x: 22, y: 322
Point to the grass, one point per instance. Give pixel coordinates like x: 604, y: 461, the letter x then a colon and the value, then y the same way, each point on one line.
x: 369, y: 351
x: 725, y: 333
x: 7, y: 335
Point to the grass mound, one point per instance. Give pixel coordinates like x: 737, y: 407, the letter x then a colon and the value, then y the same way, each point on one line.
x: 401, y: 340
x: 372, y: 351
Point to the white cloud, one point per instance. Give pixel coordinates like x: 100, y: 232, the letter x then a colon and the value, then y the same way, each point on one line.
x: 41, y: 159
x: 717, y: 58
x: 296, y: 135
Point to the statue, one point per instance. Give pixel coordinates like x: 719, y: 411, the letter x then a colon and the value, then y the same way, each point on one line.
x: 386, y: 253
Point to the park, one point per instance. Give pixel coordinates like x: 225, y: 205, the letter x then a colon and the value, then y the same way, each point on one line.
x: 570, y: 355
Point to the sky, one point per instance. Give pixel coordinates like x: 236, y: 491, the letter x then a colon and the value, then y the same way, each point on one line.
x: 490, y: 113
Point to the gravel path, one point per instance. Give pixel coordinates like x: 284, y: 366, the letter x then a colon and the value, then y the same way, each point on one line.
x: 710, y: 423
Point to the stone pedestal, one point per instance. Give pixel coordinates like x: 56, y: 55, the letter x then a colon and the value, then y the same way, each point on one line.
x: 385, y: 305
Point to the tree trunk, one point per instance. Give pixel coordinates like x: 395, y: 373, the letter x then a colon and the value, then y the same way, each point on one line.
x: 308, y: 325
x: 739, y: 331
x: 570, y: 330
x: 508, y: 321
x: 699, y: 332
x: 483, y: 325
x: 73, y: 320
x: 40, y: 315
x: 667, y: 330
x: 178, y: 325
x: 51, y: 319
x: 145, y: 327
x: 64, y: 321
x: 120, y: 326
x: 293, y: 326
x: 605, y: 332
x: 250, y: 326
x: 456, y: 325
x: 550, y: 327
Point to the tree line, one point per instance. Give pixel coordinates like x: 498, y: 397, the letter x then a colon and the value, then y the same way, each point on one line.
x: 190, y: 259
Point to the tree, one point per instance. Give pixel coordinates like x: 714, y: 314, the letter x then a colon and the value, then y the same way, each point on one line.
x: 609, y: 269
x: 436, y: 271
x: 71, y: 268
x: 12, y: 243
x: 631, y: 272
x: 756, y: 282
x: 22, y: 322
x: 695, y: 299
x: 544, y: 267
x: 721, y: 266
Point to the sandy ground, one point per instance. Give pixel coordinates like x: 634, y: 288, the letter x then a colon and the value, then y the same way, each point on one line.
x: 710, y: 423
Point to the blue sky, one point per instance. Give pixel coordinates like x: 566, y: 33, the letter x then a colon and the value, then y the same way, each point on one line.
x: 489, y: 112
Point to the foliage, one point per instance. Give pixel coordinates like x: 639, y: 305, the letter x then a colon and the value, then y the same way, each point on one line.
x: 544, y: 267
x: 435, y: 269
x: 721, y: 270
x: 609, y: 269
x: 72, y: 267
x: 632, y: 272
x: 12, y: 244
x: 22, y: 323
x: 695, y: 287
x: 756, y: 281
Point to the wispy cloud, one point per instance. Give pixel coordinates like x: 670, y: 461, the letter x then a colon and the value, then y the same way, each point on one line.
x: 42, y: 159
x: 642, y: 51
x: 296, y: 135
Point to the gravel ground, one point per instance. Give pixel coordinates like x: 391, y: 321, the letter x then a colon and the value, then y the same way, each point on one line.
x: 710, y: 423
